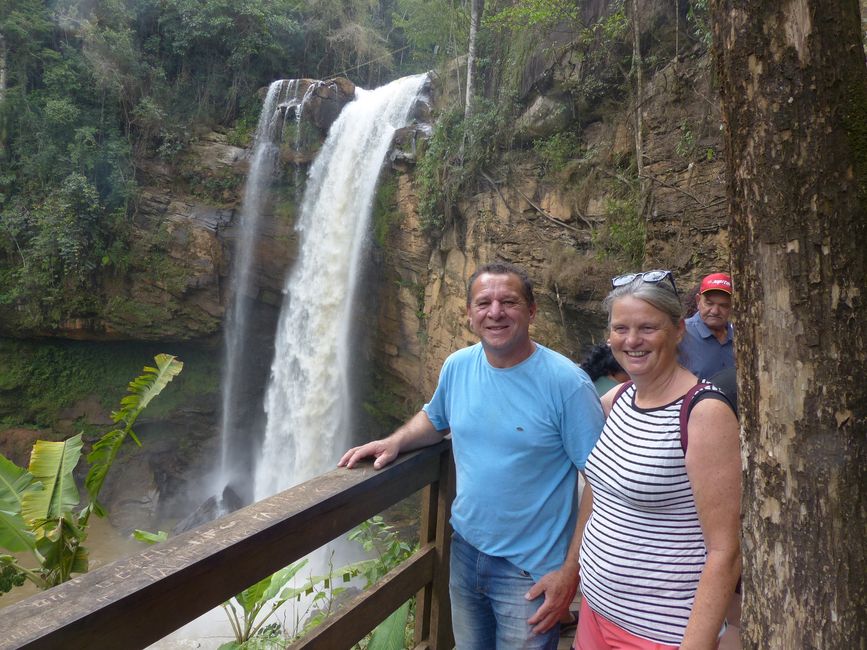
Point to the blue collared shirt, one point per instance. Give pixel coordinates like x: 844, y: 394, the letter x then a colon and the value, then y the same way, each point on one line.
x: 702, y: 353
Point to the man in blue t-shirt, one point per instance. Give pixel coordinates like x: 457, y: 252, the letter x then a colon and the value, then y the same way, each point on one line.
x: 523, y: 420
x: 708, y: 344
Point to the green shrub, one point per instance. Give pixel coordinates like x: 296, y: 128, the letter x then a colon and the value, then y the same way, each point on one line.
x: 623, y: 236
x: 557, y: 150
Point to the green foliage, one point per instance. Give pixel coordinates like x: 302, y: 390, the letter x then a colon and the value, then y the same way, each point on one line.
x: 614, y: 26
x: 436, y: 30
x: 250, y: 611
x: 376, y: 536
x: 38, y: 506
x: 534, y: 13
x: 698, y: 16
x: 91, y: 86
x: 602, y: 52
x: 391, y: 634
x: 245, y: 609
x: 686, y: 144
x: 149, y: 537
x: 9, y: 576
x: 623, y: 236
x: 38, y: 380
x: 142, y: 390
x: 385, y: 213
x: 457, y: 155
x: 557, y: 150
x: 54, y: 248
x: 218, y: 187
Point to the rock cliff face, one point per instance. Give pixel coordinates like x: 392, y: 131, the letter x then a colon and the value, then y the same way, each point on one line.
x: 552, y: 225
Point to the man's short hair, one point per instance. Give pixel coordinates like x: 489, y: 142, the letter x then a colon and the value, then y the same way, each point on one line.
x: 503, y: 268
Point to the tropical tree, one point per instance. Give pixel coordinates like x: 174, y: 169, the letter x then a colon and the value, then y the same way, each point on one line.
x: 794, y: 99
x: 39, y: 506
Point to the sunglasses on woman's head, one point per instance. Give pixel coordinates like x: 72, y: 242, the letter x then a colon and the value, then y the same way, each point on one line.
x: 653, y: 277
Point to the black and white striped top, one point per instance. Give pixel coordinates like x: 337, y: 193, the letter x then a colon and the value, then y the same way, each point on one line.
x: 643, y: 550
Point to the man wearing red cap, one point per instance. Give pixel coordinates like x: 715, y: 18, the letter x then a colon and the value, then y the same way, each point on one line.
x: 708, y: 345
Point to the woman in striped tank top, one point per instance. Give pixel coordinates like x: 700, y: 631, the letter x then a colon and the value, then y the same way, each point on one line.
x: 660, y: 554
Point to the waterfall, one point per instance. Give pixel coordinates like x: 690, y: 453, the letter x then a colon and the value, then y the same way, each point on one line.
x: 308, y: 396
x: 235, y: 463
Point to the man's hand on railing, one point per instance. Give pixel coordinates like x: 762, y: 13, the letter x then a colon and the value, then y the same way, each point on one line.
x: 383, y: 451
x: 417, y: 433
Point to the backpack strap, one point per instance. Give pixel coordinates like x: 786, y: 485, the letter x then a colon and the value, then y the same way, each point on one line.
x: 620, y: 391
x: 686, y: 408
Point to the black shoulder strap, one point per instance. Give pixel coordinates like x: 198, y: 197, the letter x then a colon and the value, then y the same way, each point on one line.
x: 685, y: 408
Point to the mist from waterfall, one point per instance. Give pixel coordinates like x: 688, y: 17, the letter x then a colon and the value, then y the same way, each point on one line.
x: 308, y: 397
x: 234, y: 444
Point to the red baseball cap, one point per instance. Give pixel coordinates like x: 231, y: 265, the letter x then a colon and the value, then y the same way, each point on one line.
x: 716, y: 282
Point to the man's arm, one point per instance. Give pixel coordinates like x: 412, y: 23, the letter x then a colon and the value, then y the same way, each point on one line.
x: 418, y: 432
x: 560, y: 586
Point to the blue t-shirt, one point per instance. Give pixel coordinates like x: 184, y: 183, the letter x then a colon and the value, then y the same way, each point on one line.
x: 518, y: 435
x: 702, y: 353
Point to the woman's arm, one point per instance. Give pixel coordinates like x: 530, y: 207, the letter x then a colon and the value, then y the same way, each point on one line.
x: 713, y: 464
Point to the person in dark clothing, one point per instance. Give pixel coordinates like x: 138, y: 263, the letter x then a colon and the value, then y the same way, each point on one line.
x: 603, y: 368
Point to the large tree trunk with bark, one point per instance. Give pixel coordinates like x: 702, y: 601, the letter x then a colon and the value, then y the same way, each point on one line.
x: 794, y: 95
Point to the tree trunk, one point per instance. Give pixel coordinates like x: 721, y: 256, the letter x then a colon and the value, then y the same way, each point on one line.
x: 637, y: 65
x: 478, y: 6
x: 2, y: 94
x: 794, y: 98
x: 2, y: 68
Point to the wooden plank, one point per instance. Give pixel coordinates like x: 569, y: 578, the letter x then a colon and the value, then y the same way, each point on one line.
x: 138, y: 600
x: 427, y: 534
x: 372, y: 606
x: 441, y: 635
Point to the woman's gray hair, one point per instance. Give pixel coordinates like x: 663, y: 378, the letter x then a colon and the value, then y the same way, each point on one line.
x: 657, y: 294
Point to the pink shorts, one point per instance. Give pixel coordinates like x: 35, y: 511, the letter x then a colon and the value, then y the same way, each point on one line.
x: 598, y: 633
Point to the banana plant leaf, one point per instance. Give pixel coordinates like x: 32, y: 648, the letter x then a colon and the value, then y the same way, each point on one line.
x: 14, y: 481
x: 389, y: 635
x: 254, y: 598
x: 279, y: 579
x: 52, y: 463
x: 142, y: 390
x: 14, y: 533
x: 62, y: 550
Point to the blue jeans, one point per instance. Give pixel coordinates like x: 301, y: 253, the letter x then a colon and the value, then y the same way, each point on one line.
x: 489, y: 611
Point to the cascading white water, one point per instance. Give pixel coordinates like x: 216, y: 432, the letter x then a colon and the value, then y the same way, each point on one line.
x: 308, y: 395
x: 281, y: 96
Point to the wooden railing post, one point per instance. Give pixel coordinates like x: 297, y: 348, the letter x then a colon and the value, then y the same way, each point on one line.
x: 433, y: 624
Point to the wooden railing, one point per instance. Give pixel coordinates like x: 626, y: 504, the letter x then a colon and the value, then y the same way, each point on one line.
x: 138, y: 600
